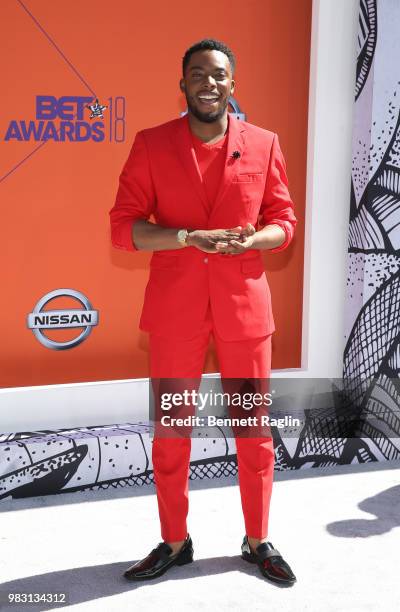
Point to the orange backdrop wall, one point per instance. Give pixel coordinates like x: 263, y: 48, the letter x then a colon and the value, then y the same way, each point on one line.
x: 57, y: 183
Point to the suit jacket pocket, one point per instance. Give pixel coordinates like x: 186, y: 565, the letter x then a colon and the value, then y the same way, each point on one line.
x: 164, y: 262
x: 249, y: 177
x: 252, y: 267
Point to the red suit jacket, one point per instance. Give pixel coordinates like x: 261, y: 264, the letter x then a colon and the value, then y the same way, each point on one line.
x: 161, y: 178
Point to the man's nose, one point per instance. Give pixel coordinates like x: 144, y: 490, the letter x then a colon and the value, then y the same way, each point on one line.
x: 209, y: 81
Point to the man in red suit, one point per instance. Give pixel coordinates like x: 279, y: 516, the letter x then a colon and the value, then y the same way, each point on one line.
x: 209, y: 180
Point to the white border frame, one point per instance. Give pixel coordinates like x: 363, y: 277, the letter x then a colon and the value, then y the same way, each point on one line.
x: 331, y: 103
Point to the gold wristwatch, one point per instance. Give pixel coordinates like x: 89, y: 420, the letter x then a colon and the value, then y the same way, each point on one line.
x: 182, y: 237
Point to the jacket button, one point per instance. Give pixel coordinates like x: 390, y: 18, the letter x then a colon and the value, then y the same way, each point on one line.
x: 205, y: 260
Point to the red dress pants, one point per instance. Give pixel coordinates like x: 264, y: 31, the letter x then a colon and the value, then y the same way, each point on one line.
x: 171, y: 358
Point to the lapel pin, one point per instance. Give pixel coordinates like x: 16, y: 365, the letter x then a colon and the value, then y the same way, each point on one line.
x: 236, y: 154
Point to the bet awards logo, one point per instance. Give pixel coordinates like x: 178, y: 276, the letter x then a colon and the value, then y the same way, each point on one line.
x: 40, y: 319
x: 71, y: 119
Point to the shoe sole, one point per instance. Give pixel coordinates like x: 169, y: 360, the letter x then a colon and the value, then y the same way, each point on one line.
x: 250, y: 559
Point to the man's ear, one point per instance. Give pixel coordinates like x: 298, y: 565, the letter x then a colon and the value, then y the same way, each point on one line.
x: 182, y: 85
x: 232, y: 86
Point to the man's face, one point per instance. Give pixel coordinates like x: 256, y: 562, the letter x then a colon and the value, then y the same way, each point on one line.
x: 207, y: 85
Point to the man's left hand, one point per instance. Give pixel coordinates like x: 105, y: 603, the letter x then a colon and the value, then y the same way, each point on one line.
x: 235, y: 247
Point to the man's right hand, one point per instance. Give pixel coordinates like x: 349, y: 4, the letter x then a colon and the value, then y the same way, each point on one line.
x: 206, y: 240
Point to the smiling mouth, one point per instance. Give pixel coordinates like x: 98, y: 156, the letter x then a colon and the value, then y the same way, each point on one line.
x: 208, y: 100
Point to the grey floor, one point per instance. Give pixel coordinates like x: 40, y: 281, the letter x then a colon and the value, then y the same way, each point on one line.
x: 338, y: 528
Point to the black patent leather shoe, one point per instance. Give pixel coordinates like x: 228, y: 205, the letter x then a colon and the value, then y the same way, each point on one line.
x: 270, y: 562
x: 160, y: 560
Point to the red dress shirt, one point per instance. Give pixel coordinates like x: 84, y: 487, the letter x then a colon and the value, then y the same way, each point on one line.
x: 211, y: 161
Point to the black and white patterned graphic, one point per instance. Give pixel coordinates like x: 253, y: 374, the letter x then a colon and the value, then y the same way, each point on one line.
x: 92, y: 458
x: 372, y: 352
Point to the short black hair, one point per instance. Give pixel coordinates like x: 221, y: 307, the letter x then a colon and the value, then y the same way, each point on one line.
x: 208, y: 44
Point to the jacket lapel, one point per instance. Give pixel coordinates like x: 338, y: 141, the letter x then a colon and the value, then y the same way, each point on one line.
x: 236, y: 142
x: 184, y: 147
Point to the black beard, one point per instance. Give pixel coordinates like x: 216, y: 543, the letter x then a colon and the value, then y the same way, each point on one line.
x: 207, y: 117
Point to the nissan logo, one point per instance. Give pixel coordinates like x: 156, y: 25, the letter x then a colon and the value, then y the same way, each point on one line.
x: 40, y: 319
